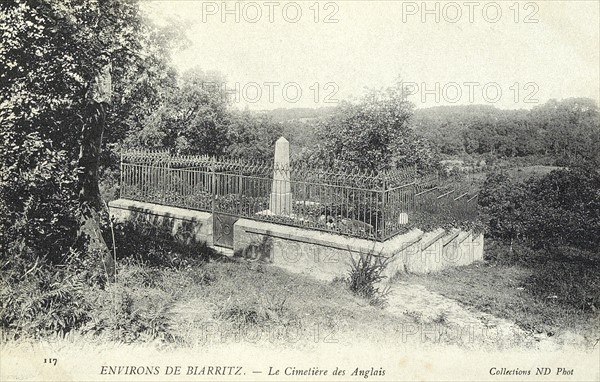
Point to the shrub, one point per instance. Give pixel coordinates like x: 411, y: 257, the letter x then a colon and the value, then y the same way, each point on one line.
x: 38, y: 199
x: 364, y: 275
x: 268, y: 308
x: 560, y: 208
x: 565, y: 209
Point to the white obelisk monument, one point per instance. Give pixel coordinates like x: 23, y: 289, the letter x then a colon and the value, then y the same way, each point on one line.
x: 281, y: 193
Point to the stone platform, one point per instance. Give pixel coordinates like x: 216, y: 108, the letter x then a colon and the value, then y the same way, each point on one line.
x: 320, y: 254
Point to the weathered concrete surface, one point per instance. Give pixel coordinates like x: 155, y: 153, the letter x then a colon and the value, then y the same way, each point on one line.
x: 326, y: 256
x: 196, y: 224
x: 440, y: 250
x: 477, y: 247
x: 320, y: 254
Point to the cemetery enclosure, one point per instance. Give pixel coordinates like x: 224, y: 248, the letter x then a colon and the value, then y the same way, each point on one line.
x: 374, y: 206
x: 269, y: 209
x: 322, y: 254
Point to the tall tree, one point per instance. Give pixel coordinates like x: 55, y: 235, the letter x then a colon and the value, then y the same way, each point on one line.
x: 55, y: 96
x: 192, y: 118
x: 251, y: 135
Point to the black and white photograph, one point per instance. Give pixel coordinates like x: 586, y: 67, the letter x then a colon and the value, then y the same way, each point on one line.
x: 305, y: 190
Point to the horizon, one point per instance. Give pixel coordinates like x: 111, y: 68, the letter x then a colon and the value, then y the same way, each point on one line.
x: 514, y: 55
x: 426, y: 107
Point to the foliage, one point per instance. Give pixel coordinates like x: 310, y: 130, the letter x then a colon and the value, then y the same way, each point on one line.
x: 567, y: 276
x: 38, y: 300
x: 50, y: 53
x: 37, y: 199
x: 552, y: 224
x: 190, y: 117
x: 502, y: 202
x: 153, y: 244
x: 372, y: 133
x: 562, y: 275
x: 44, y: 303
x: 263, y: 310
x: 195, y: 117
x: 560, y: 208
x: 364, y: 275
x: 567, y: 130
x: 252, y: 136
x: 507, y: 287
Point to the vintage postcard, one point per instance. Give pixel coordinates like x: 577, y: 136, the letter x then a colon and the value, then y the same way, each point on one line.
x: 305, y: 190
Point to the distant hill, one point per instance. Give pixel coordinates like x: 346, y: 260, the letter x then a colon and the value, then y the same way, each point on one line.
x: 297, y: 114
x: 567, y: 130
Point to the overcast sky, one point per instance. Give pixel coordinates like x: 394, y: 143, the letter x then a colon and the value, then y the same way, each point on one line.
x: 504, y: 53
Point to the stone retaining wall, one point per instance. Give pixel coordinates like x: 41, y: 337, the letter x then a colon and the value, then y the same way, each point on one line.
x: 196, y: 224
x: 326, y: 256
x: 321, y: 254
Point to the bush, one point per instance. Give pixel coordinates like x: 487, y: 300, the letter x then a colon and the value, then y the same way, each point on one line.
x: 268, y: 308
x: 558, y: 209
x: 550, y: 225
x: 364, y: 275
x: 38, y: 199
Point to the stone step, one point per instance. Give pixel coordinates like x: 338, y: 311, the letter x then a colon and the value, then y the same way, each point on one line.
x: 451, y: 236
x: 431, y: 237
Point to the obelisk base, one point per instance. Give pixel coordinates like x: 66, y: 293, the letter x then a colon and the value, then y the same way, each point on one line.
x: 281, y: 203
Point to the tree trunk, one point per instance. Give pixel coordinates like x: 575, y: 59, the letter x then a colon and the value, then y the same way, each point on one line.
x: 90, y: 202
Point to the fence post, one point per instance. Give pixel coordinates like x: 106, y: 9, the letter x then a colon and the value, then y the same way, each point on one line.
x: 280, y: 202
x: 121, y: 176
x: 413, y: 199
x: 383, y: 208
x: 240, y: 188
x: 166, y: 180
x: 213, y: 183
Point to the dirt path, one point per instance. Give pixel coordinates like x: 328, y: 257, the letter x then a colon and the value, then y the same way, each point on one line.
x: 440, y: 317
x: 414, y: 316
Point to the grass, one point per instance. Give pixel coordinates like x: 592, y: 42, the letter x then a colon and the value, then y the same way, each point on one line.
x: 187, y: 296
x: 204, y: 305
x: 512, y: 292
x: 239, y: 301
x: 225, y: 301
x: 522, y: 173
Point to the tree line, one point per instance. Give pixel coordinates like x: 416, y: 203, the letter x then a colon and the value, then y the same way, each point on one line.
x: 566, y: 131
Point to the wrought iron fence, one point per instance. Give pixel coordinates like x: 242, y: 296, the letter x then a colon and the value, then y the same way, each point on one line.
x: 375, y: 206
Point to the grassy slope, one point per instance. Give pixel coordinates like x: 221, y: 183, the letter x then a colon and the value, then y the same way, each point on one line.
x: 499, y: 290
x: 250, y: 302
x: 223, y: 303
